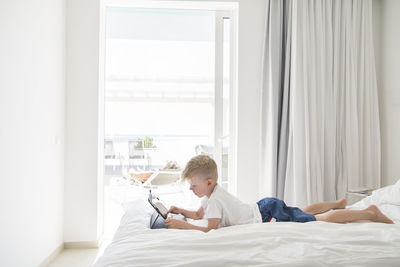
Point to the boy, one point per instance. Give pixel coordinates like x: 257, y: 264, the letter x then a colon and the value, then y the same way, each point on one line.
x: 221, y: 208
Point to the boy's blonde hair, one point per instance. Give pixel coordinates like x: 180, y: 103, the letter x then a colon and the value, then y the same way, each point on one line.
x: 201, y: 164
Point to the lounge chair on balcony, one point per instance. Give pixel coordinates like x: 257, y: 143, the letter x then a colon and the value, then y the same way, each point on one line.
x: 163, y: 177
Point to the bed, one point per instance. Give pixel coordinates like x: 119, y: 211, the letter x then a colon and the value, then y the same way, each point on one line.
x: 268, y: 244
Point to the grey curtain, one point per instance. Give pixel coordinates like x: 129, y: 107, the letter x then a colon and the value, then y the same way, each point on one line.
x: 275, y: 100
x: 320, y: 119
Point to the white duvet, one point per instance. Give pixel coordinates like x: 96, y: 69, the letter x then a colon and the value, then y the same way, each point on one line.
x: 268, y: 244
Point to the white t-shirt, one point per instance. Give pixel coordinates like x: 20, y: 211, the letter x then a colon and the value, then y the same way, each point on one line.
x: 229, y: 209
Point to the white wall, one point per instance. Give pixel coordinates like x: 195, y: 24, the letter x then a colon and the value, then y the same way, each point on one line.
x: 81, y: 170
x: 251, y: 38
x: 81, y: 203
x: 386, y: 21
x: 32, y: 97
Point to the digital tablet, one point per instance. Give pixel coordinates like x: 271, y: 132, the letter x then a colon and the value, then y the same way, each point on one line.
x: 158, y: 206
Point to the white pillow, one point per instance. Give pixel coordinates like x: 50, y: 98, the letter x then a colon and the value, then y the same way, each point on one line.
x: 137, y: 211
x: 385, y: 195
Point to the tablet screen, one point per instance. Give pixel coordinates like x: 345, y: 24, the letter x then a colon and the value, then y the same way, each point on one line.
x: 161, y: 208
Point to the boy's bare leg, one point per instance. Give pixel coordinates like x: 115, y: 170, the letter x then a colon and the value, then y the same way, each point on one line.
x: 372, y: 213
x: 321, y: 207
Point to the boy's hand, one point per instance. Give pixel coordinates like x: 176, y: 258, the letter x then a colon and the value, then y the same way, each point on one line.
x: 174, y: 210
x: 175, y: 224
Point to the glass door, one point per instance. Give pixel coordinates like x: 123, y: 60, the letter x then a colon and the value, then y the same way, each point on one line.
x: 169, y: 95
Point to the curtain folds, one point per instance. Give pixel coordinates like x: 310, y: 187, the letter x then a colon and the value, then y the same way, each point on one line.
x: 320, y: 121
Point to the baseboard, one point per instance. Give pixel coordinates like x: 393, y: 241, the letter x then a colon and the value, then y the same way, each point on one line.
x: 52, y: 256
x: 84, y: 244
x: 68, y: 245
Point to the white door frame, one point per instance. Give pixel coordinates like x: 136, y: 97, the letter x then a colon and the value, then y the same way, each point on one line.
x: 219, y: 59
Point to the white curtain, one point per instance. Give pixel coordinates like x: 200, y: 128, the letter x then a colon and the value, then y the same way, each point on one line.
x: 320, y: 121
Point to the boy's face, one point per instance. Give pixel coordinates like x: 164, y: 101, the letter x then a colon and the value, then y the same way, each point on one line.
x: 201, y: 186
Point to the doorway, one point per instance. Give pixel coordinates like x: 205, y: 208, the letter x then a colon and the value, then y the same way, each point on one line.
x: 169, y: 94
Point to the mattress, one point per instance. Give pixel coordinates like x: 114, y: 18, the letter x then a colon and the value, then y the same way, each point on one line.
x: 263, y: 244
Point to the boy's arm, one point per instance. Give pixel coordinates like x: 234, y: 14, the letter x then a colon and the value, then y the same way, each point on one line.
x: 196, y: 215
x: 178, y: 224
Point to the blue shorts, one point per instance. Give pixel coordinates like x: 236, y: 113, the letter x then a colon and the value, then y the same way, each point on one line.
x: 275, y: 208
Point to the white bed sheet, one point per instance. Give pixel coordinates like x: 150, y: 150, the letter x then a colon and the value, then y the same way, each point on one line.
x: 268, y: 244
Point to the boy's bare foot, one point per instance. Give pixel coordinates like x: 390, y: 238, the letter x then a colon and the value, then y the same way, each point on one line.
x: 341, y: 203
x: 378, y: 216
